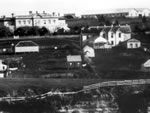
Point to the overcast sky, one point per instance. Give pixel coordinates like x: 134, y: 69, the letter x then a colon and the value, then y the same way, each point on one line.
x: 71, y: 6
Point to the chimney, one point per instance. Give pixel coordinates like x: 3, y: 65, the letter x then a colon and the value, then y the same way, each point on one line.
x: 44, y: 12
x: 12, y: 14
x: 30, y: 12
x: 53, y: 14
x: 3, y: 16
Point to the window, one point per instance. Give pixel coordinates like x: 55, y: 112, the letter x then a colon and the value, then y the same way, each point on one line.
x: 131, y: 45
x: 136, y: 45
x: 29, y: 21
x: 104, y: 35
x: 24, y: 21
x: 119, y: 35
x: 44, y: 21
x: 19, y: 21
x: 49, y: 21
x: 112, y: 35
x: 112, y: 42
x: 54, y: 21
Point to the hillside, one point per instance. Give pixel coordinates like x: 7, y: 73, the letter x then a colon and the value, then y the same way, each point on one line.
x: 120, y: 63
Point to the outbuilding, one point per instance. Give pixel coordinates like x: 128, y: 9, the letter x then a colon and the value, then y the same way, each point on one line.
x: 3, y: 69
x: 74, y: 61
x: 89, y: 51
x: 133, y: 43
x: 26, y: 46
x: 146, y: 66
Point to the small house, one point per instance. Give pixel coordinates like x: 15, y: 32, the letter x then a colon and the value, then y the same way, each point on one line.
x: 26, y: 46
x: 3, y: 69
x: 101, y: 43
x: 89, y: 51
x: 74, y: 61
x: 133, y: 43
x: 146, y: 66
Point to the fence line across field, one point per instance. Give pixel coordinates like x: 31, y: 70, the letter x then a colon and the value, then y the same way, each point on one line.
x: 85, y: 88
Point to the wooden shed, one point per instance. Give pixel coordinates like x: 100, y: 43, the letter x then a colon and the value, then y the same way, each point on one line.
x: 26, y: 46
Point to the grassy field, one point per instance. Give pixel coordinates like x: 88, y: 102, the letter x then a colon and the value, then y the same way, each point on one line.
x: 122, y: 63
x: 39, y: 86
x: 48, y: 60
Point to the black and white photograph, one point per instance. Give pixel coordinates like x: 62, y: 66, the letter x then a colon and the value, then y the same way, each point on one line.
x: 75, y: 56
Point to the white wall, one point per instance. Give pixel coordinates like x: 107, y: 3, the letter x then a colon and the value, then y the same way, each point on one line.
x: 131, y: 45
x: 26, y: 49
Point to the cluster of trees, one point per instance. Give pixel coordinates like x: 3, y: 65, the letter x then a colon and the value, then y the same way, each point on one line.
x: 24, y: 31
x: 31, y: 31
x: 5, y: 32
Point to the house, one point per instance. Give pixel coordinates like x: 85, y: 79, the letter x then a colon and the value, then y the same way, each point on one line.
x: 89, y: 51
x: 3, y: 69
x: 26, y: 46
x: 133, y: 43
x: 146, y: 66
x: 74, y: 61
x: 101, y: 43
x: 113, y: 34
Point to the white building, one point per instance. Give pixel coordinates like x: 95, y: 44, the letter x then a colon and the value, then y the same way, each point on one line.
x: 89, y: 51
x: 26, y: 46
x: 124, y: 12
x: 133, y: 43
x: 101, y: 43
x: 51, y: 22
x: 3, y: 68
x: 116, y: 34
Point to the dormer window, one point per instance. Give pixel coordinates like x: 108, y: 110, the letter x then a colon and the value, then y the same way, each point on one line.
x: 119, y: 35
x: 44, y: 21
x: 104, y: 35
x: 112, y: 35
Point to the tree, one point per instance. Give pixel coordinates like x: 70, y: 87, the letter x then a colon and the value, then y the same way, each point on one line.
x: 44, y: 31
x: 116, y: 22
x: 5, y: 32
x: 144, y: 19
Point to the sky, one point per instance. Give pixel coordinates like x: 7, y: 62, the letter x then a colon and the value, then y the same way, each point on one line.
x: 66, y: 6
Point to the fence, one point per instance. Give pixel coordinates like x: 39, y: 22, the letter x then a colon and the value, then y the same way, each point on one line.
x: 117, y: 83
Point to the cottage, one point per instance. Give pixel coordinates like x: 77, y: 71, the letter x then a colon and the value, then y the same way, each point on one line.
x: 146, y: 66
x: 74, y: 61
x: 89, y: 51
x: 3, y: 69
x: 26, y: 46
x: 133, y: 43
x: 101, y: 43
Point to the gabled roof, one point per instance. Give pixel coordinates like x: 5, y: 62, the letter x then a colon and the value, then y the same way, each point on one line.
x: 133, y: 40
x: 26, y: 43
x: 125, y: 29
x: 74, y: 58
x: 147, y: 63
x: 100, y: 40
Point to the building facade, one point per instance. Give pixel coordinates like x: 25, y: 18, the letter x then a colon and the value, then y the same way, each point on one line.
x: 125, y: 12
x: 51, y: 21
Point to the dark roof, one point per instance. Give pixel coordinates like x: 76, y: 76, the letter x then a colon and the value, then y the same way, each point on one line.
x: 98, y: 29
x: 26, y: 43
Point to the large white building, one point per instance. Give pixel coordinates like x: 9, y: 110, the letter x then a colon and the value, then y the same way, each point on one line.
x: 50, y: 21
x: 125, y: 12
